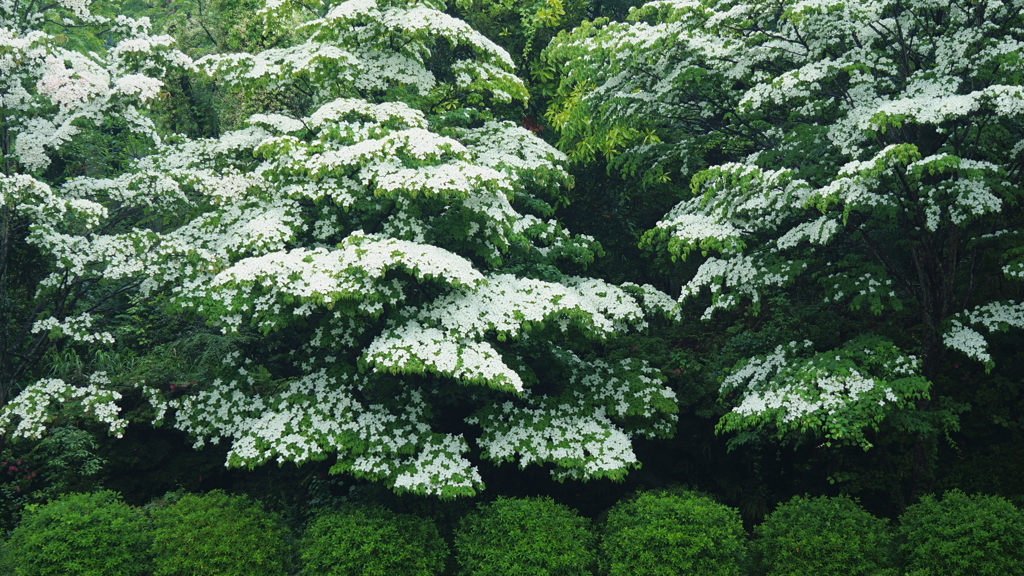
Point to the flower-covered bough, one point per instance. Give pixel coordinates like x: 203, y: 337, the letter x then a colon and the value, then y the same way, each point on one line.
x: 57, y: 99
x: 873, y: 148
x: 387, y: 235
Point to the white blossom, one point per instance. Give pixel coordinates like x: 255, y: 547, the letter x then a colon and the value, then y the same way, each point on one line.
x: 371, y: 233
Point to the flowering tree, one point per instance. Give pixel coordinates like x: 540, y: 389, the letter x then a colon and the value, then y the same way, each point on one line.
x: 870, y: 149
x: 58, y: 108
x: 385, y: 235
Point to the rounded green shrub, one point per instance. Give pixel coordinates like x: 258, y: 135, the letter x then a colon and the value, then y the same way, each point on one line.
x: 372, y: 542
x: 812, y: 536
x: 962, y: 535
x: 524, y: 537
x: 217, y: 533
x: 82, y: 534
x: 672, y: 532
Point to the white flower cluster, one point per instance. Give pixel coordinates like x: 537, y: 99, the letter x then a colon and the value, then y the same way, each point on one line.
x: 437, y: 469
x: 693, y: 228
x: 379, y: 71
x: 630, y: 390
x: 818, y: 231
x: 838, y: 393
x: 38, y: 404
x: 416, y: 20
x: 317, y: 415
x: 50, y: 93
x: 586, y: 431
x: 267, y: 287
x: 762, y: 368
x: 507, y: 305
x: 1014, y: 270
x: 38, y: 136
x: 968, y: 341
x: 78, y: 328
x: 281, y: 68
x: 514, y: 150
x: 740, y: 203
x: 80, y: 8
x: 743, y: 277
x: 385, y: 113
x: 71, y: 87
x: 35, y: 199
x: 834, y: 393
x: 415, y: 348
x: 994, y: 316
x: 446, y: 336
x: 583, y: 444
x: 654, y: 300
x: 144, y: 87
x: 373, y: 47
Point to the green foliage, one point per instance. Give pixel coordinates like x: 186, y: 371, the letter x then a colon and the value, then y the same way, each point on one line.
x: 67, y: 459
x: 202, y: 27
x: 106, y: 137
x: 810, y: 536
x: 82, y: 534
x: 358, y: 541
x: 524, y: 29
x: 524, y: 537
x: 820, y: 163
x: 218, y: 533
x: 34, y: 472
x: 196, y: 105
x: 6, y: 560
x: 839, y: 394
x: 961, y: 534
x: 672, y: 532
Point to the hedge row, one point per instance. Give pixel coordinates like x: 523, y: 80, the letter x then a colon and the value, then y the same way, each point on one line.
x: 653, y: 533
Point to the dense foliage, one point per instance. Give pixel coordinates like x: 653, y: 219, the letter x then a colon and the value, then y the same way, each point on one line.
x: 370, y: 265
x: 861, y: 155
x: 672, y: 532
x: 89, y: 534
x: 384, y: 234
x: 962, y: 534
x: 217, y: 533
x: 372, y: 542
x: 524, y: 537
x: 823, y: 536
x: 66, y: 110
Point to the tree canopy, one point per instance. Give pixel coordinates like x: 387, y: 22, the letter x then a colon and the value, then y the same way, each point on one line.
x: 384, y: 234
x: 335, y: 234
x: 862, y: 154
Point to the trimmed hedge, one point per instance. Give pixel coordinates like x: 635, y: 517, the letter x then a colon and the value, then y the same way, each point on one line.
x: 812, y: 536
x: 372, y: 542
x: 217, y: 533
x: 524, y: 537
x: 963, y: 535
x: 665, y: 533
x: 82, y: 534
x: 658, y: 533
